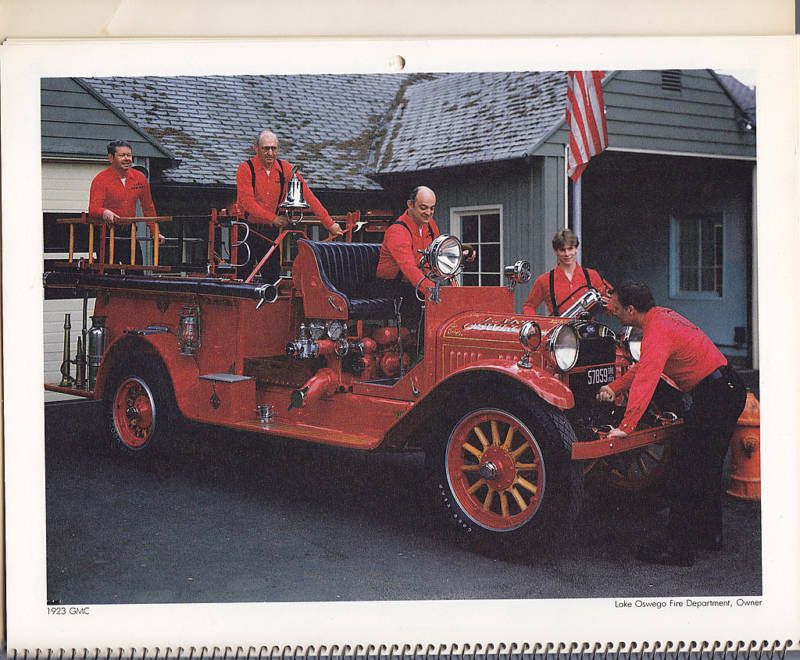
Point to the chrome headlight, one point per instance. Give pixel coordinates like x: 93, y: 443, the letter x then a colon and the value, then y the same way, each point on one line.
x: 632, y: 341
x: 519, y: 273
x: 563, y: 346
x: 443, y: 257
x: 530, y: 335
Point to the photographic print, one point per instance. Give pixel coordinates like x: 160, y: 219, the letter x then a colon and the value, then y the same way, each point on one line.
x: 353, y: 344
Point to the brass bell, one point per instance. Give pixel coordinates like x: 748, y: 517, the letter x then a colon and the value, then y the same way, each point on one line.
x: 294, y: 200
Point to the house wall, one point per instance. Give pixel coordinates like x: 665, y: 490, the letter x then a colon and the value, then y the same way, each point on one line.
x: 76, y: 123
x: 698, y: 119
x: 531, y: 193
x: 628, y: 200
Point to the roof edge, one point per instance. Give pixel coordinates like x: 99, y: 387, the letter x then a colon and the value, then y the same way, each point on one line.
x: 87, y: 87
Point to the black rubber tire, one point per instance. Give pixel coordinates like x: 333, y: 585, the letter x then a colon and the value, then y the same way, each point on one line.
x: 147, y: 374
x: 562, y: 496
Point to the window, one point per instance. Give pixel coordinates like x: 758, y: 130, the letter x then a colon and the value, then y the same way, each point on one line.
x: 482, y: 228
x: 697, y: 256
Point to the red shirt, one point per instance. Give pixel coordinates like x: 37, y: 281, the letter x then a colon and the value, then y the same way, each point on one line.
x: 567, y: 291
x: 108, y: 192
x: 670, y: 344
x: 260, y: 206
x: 399, y: 251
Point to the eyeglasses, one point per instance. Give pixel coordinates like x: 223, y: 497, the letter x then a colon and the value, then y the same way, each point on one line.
x: 268, y: 148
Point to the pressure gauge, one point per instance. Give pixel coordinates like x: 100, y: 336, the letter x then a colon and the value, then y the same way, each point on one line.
x: 316, y: 329
x: 337, y: 329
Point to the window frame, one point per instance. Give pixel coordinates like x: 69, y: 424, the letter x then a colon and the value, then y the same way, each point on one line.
x: 457, y: 212
x: 675, y: 291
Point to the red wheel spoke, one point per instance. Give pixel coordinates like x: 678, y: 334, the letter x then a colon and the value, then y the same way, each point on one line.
x: 527, y: 485
x: 472, y: 450
x: 481, y: 436
x: 509, y: 437
x: 476, y: 486
x: 495, y: 432
x: 521, y: 502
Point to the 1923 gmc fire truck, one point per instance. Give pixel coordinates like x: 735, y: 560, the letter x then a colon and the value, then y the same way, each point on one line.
x: 503, y: 405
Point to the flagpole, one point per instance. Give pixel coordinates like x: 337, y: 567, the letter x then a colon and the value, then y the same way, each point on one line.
x: 577, y: 192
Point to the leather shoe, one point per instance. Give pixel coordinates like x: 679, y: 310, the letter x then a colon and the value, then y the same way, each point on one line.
x: 666, y: 553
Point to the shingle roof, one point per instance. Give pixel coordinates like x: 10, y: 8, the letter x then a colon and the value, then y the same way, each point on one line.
x: 326, y: 123
x: 742, y: 95
x: 466, y: 118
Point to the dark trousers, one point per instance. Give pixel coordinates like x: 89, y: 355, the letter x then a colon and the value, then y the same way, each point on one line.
x: 696, y: 481
x: 271, y: 270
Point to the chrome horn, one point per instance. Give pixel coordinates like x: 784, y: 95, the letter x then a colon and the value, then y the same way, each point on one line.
x: 582, y: 305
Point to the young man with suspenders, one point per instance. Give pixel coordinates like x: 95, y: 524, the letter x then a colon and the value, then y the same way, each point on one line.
x: 567, y: 282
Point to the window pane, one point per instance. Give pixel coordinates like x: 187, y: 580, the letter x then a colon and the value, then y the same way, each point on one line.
x: 490, y: 280
x: 469, y: 280
x: 490, y: 258
x: 469, y: 228
x: 688, y: 279
x: 490, y: 228
x: 471, y: 267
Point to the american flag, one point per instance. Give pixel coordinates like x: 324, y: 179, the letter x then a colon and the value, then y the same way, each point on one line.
x: 586, y: 119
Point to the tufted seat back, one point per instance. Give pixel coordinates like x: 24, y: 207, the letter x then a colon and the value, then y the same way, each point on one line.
x: 349, y: 270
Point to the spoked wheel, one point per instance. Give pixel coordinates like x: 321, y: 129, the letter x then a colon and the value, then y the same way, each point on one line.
x: 639, y: 469
x: 134, y: 412
x: 495, y: 469
x: 503, y: 473
x: 140, y: 406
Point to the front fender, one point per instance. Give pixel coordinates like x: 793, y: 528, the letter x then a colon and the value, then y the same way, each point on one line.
x: 182, y: 369
x: 547, y: 387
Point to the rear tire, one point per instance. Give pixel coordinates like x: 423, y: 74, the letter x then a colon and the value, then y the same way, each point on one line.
x: 503, y: 474
x: 139, y: 407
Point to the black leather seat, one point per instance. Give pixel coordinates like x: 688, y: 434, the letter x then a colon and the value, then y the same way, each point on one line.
x: 349, y: 270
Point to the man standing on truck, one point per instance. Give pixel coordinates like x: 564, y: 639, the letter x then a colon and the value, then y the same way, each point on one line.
x: 261, y: 184
x: 567, y: 282
x: 116, y: 190
x: 716, y: 396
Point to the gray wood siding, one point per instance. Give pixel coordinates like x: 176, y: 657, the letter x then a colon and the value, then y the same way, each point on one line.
x: 532, y: 199
x: 700, y: 119
x: 628, y: 200
x: 76, y: 124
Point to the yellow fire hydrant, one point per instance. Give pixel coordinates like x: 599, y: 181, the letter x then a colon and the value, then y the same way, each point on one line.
x: 746, y: 454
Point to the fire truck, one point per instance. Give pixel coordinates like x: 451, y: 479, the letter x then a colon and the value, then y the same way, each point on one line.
x: 502, y: 405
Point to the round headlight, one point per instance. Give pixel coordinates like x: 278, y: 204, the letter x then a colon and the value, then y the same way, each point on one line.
x: 444, y: 256
x: 563, y: 345
x: 632, y: 340
x: 530, y: 335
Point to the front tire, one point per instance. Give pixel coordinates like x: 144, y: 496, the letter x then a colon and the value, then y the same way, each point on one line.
x: 139, y: 406
x: 503, y: 474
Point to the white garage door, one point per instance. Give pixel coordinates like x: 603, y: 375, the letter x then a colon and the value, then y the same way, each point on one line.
x: 65, y: 185
x: 65, y: 189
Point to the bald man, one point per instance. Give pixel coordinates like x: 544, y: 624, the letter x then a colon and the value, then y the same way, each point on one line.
x: 261, y: 185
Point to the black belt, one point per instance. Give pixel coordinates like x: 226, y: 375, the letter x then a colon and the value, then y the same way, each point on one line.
x: 714, y: 375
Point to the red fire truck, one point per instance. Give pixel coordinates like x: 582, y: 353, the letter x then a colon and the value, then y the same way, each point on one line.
x: 503, y: 405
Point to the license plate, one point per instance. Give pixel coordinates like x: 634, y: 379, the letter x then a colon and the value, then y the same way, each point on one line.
x: 600, y: 375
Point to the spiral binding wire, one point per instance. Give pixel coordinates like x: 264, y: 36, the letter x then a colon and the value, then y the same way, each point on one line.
x: 634, y: 650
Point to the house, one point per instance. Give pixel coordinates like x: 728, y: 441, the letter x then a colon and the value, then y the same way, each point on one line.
x: 670, y: 202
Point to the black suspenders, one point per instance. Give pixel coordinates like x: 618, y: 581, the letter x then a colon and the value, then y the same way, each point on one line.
x: 404, y: 225
x: 553, y: 288
x: 280, y: 174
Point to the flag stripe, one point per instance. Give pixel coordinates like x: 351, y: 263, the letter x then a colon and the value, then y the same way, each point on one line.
x: 585, y: 118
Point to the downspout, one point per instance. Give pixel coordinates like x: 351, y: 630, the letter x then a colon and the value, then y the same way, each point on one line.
x: 754, y: 270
